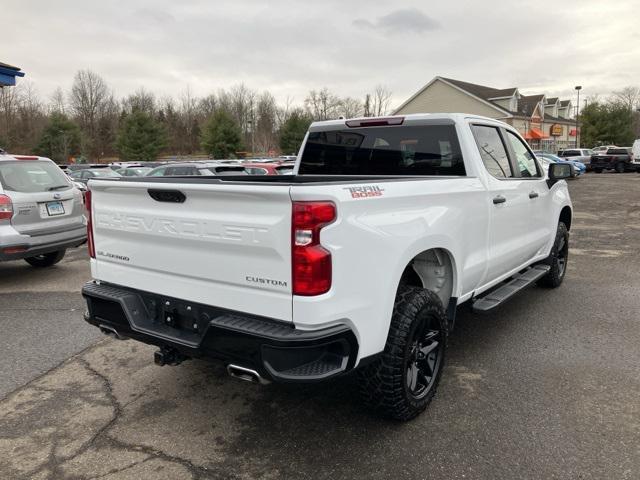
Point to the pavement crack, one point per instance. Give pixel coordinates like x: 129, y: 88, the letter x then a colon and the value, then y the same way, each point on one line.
x: 198, y: 472
x: 122, y: 469
x: 113, y: 401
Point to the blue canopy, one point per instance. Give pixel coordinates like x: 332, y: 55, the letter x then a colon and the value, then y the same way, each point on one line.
x: 8, y: 74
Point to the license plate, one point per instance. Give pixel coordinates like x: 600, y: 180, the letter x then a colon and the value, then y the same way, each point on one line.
x: 55, y: 208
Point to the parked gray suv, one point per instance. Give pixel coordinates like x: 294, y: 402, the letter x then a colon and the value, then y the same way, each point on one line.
x: 41, y: 212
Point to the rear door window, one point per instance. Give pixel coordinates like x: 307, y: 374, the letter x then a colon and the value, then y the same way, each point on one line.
x: 389, y: 150
x: 492, y: 150
x: 30, y: 176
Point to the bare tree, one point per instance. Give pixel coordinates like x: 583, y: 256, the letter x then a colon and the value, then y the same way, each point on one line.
x: 266, y: 115
x: 9, y: 99
x: 380, y: 101
x: 352, y: 107
x: 31, y: 116
x: 628, y: 96
x: 57, y: 102
x: 189, y: 120
x: 322, y: 104
x: 142, y: 101
x: 208, y: 106
x: 88, y: 100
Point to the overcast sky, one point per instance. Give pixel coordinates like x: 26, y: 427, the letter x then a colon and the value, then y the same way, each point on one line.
x: 349, y: 46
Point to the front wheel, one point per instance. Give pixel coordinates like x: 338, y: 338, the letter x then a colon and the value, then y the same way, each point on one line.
x: 46, y: 259
x: 558, y: 259
x: 620, y: 167
x: 403, y: 380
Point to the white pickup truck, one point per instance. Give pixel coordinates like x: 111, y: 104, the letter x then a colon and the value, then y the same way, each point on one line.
x: 357, y: 261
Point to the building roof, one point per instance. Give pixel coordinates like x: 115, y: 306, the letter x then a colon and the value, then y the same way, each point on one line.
x: 527, y: 104
x: 10, y: 67
x: 482, y: 91
x: 8, y: 74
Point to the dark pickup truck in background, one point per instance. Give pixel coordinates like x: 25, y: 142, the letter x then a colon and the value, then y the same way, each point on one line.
x: 619, y: 159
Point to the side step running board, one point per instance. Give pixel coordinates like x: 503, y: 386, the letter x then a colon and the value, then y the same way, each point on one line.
x: 509, y: 289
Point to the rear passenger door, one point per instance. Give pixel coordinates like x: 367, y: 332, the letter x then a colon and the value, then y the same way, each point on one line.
x: 510, y: 241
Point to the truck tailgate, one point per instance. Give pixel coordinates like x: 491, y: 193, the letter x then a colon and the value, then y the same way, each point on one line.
x: 226, y: 245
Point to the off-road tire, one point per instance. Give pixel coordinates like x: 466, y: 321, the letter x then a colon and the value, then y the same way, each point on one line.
x: 560, y: 250
x: 383, y: 383
x: 46, y: 259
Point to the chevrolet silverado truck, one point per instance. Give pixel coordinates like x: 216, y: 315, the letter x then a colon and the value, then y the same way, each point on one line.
x: 358, y: 261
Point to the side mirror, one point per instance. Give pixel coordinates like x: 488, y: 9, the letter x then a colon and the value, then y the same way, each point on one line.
x: 560, y: 171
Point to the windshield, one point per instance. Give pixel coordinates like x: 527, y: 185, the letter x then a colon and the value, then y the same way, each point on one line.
x: 389, y: 150
x: 29, y: 176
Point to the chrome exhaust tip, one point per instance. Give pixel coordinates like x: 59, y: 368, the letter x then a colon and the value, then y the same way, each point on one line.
x: 246, y: 374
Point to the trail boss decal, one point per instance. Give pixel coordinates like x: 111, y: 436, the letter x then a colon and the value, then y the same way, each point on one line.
x: 365, y: 191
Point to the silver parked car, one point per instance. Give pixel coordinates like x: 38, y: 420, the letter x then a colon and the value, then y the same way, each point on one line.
x: 41, y: 212
x: 582, y: 155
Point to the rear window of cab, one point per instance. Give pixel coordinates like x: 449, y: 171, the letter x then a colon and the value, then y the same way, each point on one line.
x: 390, y: 150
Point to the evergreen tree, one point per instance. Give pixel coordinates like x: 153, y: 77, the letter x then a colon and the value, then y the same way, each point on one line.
x: 60, y: 139
x: 293, y: 131
x: 140, y: 137
x: 221, y: 136
x: 606, y: 123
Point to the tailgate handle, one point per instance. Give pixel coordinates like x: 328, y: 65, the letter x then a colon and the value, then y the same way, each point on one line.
x: 171, y: 196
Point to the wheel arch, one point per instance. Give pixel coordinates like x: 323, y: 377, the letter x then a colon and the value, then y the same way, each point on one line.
x: 565, y: 216
x: 433, y: 269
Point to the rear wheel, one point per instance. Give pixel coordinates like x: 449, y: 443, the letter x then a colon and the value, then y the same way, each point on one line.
x: 620, y: 167
x: 557, y: 259
x: 46, y: 259
x: 597, y: 170
x: 403, y: 380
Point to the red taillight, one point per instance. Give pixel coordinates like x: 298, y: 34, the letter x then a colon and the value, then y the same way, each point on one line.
x: 90, y: 245
x: 11, y: 250
x: 311, y: 263
x: 6, y: 208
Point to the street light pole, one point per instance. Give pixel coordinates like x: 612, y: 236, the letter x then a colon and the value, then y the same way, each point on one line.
x: 578, y: 88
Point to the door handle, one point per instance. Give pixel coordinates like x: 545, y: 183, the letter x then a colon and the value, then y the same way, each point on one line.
x: 533, y: 195
x: 499, y: 199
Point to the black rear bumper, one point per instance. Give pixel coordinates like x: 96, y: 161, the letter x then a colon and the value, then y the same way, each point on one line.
x: 274, y: 349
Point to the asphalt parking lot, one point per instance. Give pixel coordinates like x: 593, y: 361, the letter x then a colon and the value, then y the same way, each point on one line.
x: 547, y: 387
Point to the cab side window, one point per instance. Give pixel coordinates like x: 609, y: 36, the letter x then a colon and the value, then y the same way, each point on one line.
x: 492, y: 150
x: 524, y: 158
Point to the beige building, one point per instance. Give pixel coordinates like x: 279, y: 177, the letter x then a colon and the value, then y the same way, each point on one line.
x: 546, y: 123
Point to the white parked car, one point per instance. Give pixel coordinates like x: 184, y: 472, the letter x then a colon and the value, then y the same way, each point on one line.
x: 635, y: 150
x: 359, y: 260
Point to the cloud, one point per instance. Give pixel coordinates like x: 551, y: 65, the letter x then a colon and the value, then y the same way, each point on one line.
x: 410, y: 20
